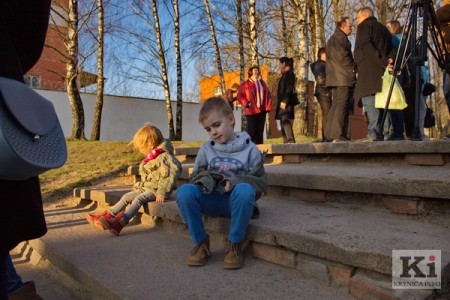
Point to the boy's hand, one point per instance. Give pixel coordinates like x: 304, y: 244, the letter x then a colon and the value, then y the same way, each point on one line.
x: 282, y: 105
x: 160, y: 198
x: 228, y: 186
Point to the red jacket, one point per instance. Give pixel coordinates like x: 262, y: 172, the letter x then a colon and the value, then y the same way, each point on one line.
x: 247, y: 94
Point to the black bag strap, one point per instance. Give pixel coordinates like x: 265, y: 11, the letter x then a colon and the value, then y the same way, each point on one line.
x: 35, y: 113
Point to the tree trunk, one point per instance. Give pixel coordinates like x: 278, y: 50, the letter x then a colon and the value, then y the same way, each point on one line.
x: 72, y: 74
x: 165, y: 79
x: 301, y: 65
x: 381, y: 11
x: 96, y: 123
x: 215, y: 44
x: 284, y: 29
x: 253, y: 34
x: 179, y: 116
x: 240, y: 31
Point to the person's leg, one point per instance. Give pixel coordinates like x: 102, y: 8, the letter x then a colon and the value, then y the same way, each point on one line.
x: 387, y: 125
x: 325, y: 105
x: 14, y: 280
x: 408, y: 112
x: 242, y: 200
x: 137, y: 202
x: 189, y: 202
x: 422, y: 113
x: 397, y: 124
x: 260, y: 125
x: 446, y: 89
x: 339, y: 106
x: 286, y: 129
x: 124, y: 201
x: 251, y: 126
x: 4, y: 254
x: 372, y: 114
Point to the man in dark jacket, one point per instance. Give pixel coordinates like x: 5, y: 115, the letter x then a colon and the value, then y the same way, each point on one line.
x: 287, y: 99
x: 373, y: 45
x: 340, y: 70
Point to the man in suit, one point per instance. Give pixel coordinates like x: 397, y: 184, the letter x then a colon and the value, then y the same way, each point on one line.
x: 340, y: 70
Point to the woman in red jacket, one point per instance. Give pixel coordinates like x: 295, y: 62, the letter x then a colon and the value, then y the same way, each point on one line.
x: 254, y: 96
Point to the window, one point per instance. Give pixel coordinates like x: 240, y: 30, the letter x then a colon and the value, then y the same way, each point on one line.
x: 33, y: 81
x: 217, y: 90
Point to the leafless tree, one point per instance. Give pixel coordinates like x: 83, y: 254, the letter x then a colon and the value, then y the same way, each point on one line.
x: 179, y: 115
x: 215, y: 44
x: 253, y: 33
x: 96, y: 124
x: 72, y: 73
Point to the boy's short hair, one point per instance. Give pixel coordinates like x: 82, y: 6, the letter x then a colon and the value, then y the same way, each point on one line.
x: 218, y: 104
x: 147, y: 137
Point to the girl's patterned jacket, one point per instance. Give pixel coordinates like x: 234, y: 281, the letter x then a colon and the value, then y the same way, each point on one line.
x: 160, y: 175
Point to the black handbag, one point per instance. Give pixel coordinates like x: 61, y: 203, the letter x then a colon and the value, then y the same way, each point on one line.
x: 430, y: 120
x: 31, y: 138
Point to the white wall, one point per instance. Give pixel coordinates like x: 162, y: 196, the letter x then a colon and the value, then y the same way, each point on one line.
x: 122, y: 116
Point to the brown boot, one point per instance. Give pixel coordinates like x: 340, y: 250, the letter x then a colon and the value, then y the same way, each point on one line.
x: 200, y: 253
x: 115, y: 225
x: 27, y: 292
x: 234, y: 259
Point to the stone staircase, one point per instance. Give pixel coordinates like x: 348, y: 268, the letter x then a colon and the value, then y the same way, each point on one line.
x: 334, y: 211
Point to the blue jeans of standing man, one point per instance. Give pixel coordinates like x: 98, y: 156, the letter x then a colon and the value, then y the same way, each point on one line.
x: 14, y: 280
x: 373, y: 114
x: 237, y: 205
x: 136, y: 199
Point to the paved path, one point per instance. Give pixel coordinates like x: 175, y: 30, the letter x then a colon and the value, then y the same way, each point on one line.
x: 146, y: 263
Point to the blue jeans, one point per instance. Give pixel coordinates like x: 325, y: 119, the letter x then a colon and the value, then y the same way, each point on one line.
x: 14, y: 279
x: 373, y: 114
x: 136, y: 199
x: 237, y: 205
x: 398, y: 126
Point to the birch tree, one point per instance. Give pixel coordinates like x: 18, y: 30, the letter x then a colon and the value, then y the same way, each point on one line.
x: 215, y: 44
x: 179, y: 113
x: 96, y: 123
x: 253, y: 33
x: 301, y: 66
x: 165, y: 79
x: 72, y: 73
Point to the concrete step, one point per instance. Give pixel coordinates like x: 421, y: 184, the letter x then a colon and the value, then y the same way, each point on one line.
x: 148, y: 262
x: 409, y: 189
x: 328, y: 238
x: 398, y: 152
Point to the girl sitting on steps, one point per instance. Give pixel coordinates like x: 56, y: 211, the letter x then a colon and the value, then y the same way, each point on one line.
x: 159, y: 171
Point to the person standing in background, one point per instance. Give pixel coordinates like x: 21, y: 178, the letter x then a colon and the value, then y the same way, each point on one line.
x: 287, y: 99
x: 23, y: 27
x: 340, y: 70
x: 397, y: 119
x: 322, y: 92
x: 373, y: 45
x: 254, y: 96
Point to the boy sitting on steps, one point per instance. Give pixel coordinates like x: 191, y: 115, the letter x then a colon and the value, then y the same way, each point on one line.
x: 227, y: 178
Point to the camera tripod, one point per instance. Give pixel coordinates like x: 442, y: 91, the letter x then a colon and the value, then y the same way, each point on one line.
x: 412, y: 53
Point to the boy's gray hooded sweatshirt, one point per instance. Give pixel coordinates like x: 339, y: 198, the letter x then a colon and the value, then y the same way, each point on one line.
x: 236, y: 161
